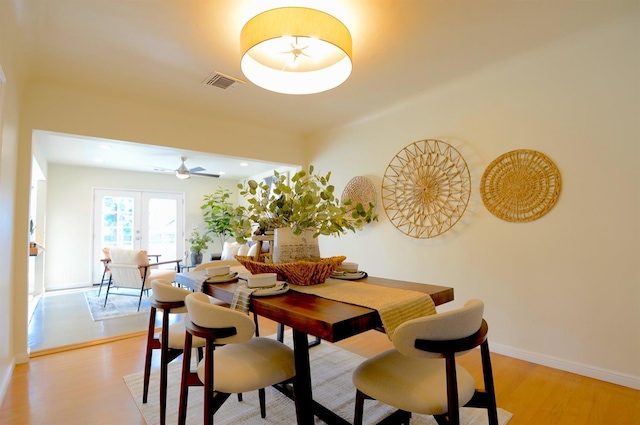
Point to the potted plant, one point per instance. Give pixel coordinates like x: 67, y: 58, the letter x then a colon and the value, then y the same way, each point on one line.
x: 307, y: 208
x: 197, y: 244
x: 218, y: 213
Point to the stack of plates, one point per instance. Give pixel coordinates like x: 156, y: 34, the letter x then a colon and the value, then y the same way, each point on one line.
x: 279, y: 288
x: 348, y: 275
x: 223, y: 278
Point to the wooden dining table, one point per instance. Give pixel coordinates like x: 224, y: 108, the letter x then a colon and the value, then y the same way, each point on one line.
x: 320, y: 317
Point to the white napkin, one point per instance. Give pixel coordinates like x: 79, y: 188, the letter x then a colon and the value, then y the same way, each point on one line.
x: 242, y: 297
x: 198, y: 282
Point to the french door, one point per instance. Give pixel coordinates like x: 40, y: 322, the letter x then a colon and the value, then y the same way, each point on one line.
x: 152, y: 221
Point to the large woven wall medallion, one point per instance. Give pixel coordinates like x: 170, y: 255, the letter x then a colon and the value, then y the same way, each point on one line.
x: 426, y: 188
x: 521, y: 185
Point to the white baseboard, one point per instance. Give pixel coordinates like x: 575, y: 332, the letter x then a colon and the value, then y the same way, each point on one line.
x: 22, y: 358
x: 6, y: 378
x: 577, y: 368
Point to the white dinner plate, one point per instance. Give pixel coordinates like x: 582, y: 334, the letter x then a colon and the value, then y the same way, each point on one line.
x: 222, y: 279
x: 348, y: 275
x: 279, y: 289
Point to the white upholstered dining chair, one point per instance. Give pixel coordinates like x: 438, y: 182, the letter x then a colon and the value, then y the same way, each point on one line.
x: 234, y: 361
x: 169, y: 300
x: 420, y: 374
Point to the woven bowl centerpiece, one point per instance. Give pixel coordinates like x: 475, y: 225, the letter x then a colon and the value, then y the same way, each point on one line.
x: 303, y: 273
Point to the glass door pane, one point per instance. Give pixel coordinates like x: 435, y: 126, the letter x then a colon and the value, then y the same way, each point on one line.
x: 118, y: 218
x: 162, y: 234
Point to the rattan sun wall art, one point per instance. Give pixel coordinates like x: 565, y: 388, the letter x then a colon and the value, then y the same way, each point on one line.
x: 426, y: 188
x: 520, y: 186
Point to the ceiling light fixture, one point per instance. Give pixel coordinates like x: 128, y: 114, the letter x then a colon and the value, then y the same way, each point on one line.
x: 296, y: 50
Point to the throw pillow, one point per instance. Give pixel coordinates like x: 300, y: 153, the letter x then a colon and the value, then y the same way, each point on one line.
x: 230, y: 250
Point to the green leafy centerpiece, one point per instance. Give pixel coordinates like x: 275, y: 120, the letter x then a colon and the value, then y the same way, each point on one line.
x: 298, y: 213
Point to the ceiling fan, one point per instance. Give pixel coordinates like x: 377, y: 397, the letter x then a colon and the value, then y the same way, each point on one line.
x: 182, y: 172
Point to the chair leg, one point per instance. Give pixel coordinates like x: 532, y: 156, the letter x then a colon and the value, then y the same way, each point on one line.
x: 280, y: 336
x: 489, y: 387
x: 263, y: 403
x: 357, y: 417
x: 147, y: 359
x: 164, y: 360
x: 452, y: 390
x: 208, y: 383
x: 104, y: 273
x: 140, y: 298
x: 255, y: 320
x: 184, y: 381
x: 108, y: 288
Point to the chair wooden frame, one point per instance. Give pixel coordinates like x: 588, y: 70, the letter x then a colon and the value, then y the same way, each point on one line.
x: 212, y: 402
x: 482, y: 398
x: 167, y: 354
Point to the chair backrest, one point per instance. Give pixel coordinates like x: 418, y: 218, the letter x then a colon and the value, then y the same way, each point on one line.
x: 206, y: 315
x: 125, y: 267
x: 445, y: 326
x: 129, y: 256
x: 164, y: 291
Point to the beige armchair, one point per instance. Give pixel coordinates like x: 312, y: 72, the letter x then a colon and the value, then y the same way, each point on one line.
x: 130, y: 268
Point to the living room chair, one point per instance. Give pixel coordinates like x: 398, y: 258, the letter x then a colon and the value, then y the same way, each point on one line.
x: 130, y: 268
x: 420, y: 374
x: 241, y: 361
x: 170, y: 300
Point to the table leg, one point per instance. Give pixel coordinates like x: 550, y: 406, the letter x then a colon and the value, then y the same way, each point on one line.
x: 302, y: 383
x: 306, y: 407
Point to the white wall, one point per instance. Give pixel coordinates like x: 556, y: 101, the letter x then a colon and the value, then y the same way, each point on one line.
x: 563, y: 290
x: 78, y: 110
x: 69, y: 257
x: 12, y: 63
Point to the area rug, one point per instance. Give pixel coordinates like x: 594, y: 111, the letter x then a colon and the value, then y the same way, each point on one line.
x: 117, y: 305
x: 331, y: 369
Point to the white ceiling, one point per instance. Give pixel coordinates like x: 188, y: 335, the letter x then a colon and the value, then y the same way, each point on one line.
x: 164, y: 50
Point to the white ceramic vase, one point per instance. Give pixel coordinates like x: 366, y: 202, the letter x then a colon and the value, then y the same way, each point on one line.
x: 289, y: 247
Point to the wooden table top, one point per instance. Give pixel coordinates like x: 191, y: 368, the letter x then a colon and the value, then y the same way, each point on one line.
x: 324, y: 318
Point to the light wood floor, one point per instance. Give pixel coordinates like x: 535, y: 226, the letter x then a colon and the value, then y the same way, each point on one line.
x: 85, y: 386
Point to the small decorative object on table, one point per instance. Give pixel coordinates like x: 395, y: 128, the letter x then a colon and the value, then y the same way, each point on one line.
x: 301, y: 273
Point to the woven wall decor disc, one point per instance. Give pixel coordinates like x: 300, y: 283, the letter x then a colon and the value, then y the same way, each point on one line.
x: 426, y: 188
x: 521, y: 185
x: 360, y: 190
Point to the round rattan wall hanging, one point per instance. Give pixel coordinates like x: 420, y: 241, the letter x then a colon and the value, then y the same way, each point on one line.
x: 426, y: 188
x: 360, y: 190
x: 521, y: 185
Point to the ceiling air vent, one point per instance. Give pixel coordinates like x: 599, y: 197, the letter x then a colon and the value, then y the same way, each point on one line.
x: 222, y: 81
